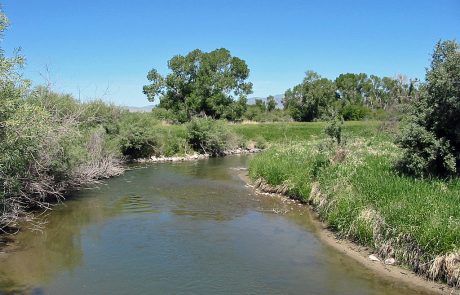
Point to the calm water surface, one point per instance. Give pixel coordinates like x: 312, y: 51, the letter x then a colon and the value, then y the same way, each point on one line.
x: 186, y: 228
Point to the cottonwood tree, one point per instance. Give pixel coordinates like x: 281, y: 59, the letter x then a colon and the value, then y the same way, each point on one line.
x: 311, y: 99
x: 212, y: 83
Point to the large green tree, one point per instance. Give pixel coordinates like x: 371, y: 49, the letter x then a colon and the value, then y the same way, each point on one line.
x: 202, y: 83
x: 311, y: 99
x: 431, y: 139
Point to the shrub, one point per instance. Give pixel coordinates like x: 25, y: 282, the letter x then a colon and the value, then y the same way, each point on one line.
x: 208, y: 136
x: 163, y: 114
x: 334, y: 129
x: 137, y: 138
x: 260, y: 142
x: 431, y: 136
x: 354, y: 112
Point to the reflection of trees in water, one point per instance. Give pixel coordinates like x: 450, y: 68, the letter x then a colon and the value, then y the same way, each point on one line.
x: 203, y: 190
x: 41, y: 255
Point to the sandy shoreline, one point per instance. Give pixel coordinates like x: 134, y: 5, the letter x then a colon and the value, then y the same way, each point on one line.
x: 361, y: 254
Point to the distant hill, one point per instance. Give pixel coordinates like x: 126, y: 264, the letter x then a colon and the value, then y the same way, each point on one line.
x: 251, y: 100
x: 143, y: 109
x: 278, y: 98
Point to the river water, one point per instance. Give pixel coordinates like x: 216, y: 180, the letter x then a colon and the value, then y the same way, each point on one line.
x: 181, y: 228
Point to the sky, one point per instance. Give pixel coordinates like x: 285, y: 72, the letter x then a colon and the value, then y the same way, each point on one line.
x: 104, y: 49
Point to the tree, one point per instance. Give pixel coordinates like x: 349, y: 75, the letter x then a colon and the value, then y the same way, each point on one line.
x: 260, y: 104
x: 353, y: 88
x: 311, y: 99
x: 207, y: 83
x: 431, y: 137
x: 271, y: 103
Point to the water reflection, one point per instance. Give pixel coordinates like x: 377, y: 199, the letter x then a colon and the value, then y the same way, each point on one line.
x: 185, y: 228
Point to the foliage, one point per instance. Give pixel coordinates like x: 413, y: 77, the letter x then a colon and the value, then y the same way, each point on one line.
x: 375, y: 92
x: 260, y: 104
x: 310, y: 99
x: 211, y: 83
x: 352, y: 87
x: 48, y: 149
x: 354, y: 112
x: 271, y: 103
x: 209, y: 136
x: 260, y: 142
x: 137, y: 137
x: 49, y: 142
x: 355, y: 96
x: 165, y: 115
x: 257, y: 114
x: 431, y: 136
x: 334, y: 129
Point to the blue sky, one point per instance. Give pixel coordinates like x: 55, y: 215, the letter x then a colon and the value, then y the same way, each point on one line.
x: 104, y: 49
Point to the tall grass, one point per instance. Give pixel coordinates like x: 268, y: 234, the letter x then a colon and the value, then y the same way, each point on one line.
x: 363, y: 198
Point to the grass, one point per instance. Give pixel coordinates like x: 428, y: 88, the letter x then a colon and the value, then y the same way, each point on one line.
x: 364, y: 199
x: 295, y: 131
x: 171, y: 138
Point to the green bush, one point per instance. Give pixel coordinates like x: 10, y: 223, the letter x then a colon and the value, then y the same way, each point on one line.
x: 334, y: 129
x: 431, y: 136
x: 137, y: 137
x: 163, y: 114
x: 260, y: 142
x: 208, y: 136
x: 354, y: 112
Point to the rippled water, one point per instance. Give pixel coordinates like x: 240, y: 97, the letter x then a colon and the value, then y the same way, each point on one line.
x: 185, y: 228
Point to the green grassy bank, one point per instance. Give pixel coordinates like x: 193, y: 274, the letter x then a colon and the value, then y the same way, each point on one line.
x: 299, y: 131
x: 363, y: 198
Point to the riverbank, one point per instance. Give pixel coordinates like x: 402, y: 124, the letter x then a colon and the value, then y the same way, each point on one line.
x: 61, y: 160
x: 358, y: 253
x: 356, y: 193
x: 196, y: 156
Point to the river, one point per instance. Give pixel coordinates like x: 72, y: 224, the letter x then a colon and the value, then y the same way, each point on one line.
x: 181, y: 228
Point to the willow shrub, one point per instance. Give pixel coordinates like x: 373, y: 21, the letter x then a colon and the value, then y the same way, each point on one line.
x: 209, y: 136
x: 431, y: 136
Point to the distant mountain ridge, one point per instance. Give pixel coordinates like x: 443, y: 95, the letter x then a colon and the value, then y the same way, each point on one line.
x: 278, y: 98
x: 144, y: 109
x: 251, y: 100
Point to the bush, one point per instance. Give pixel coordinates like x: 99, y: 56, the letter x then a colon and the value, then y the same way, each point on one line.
x: 334, y: 129
x: 165, y: 115
x: 137, y: 138
x: 208, y: 136
x: 431, y: 135
x: 260, y: 142
x: 354, y: 112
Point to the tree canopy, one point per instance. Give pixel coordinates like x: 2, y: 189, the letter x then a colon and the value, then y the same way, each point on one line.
x: 202, y: 83
x: 310, y: 99
x: 352, y: 95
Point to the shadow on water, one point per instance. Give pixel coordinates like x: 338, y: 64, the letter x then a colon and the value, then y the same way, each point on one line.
x: 180, y: 228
